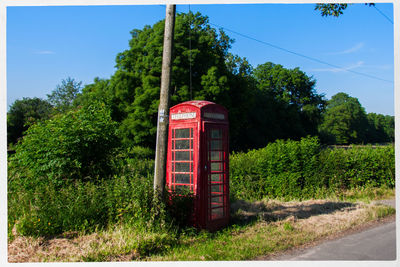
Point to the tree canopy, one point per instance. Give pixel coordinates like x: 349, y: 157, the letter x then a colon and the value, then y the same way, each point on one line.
x: 133, y: 90
x: 334, y: 9
x: 64, y: 94
x: 345, y: 121
x: 23, y: 113
x: 217, y: 76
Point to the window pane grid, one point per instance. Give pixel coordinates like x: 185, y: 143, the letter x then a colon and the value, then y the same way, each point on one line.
x: 182, y: 158
x: 216, y: 176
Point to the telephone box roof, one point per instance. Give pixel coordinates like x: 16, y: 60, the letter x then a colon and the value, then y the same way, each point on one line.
x: 198, y: 104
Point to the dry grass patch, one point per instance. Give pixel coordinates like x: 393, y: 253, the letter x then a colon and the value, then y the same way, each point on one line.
x: 68, y: 247
x: 267, y: 227
x: 280, y: 226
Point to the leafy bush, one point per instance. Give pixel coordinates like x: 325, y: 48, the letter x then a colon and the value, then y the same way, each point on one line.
x: 128, y: 199
x: 245, y: 179
x: 78, y: 145
x: 357, y: 166
x: 301, y: 169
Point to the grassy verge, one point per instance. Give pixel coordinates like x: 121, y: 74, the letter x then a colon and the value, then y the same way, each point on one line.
x: 268, y: 236
x: 258, y: 228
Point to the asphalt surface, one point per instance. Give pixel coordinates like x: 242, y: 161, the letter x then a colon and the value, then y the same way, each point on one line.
x: 378, y: 243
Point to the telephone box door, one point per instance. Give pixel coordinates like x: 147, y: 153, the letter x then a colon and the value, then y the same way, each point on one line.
x: 216, y: 174
x: 182, y: 159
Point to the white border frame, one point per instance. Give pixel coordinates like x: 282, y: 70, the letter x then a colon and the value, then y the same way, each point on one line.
x: 3, y: 123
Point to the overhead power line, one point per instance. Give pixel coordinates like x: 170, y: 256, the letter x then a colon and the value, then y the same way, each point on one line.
x: 301, y: 55
x: 383, y: 14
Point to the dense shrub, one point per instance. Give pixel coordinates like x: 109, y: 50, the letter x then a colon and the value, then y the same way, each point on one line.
x: 126, y: 199
x: 77, y: 145
x: 301, y: 169
x: 245, y: 178
x: 357, y: 166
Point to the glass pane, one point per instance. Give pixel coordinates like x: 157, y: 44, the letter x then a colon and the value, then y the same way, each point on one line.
x: 182, y: 189
x: 215, y: 204
x: 217, y: 213
x: 216, y: 155
x: 182, y: 178
x: 182, y: 144
x: 216, y: 144
x: 216, y: 133
x: 182, y: 133
x: 216, y: 189
x: 217, y: 177
x: 216, y: 166
x: 218, y: 199
x: 182, y: 167
x: 182, y: 155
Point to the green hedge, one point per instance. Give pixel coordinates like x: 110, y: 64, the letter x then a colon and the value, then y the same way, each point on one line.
x: 301, y: 169
x: 286, y: 169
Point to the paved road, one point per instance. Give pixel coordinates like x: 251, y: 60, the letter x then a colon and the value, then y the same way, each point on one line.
x: 378, y: 243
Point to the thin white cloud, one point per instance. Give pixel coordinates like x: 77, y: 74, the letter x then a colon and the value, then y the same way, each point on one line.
x: 380, y: 67
x: 350, y: 67
x: 45, y: 52
x: 353, y: 49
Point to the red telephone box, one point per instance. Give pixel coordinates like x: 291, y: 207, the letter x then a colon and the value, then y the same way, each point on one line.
x: 198, y: 159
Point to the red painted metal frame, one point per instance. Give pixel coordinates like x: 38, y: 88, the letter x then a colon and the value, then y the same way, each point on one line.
x: 201, y: 116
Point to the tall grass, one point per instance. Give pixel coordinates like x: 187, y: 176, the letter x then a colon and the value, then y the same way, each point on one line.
x: 126, y: 199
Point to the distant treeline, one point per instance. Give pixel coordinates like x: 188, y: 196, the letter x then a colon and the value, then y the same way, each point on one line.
x: 265, y: 103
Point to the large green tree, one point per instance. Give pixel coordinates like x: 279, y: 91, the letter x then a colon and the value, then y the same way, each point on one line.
x: 264, y: 104
x: 23, y: 113
x: 345, y: 121
x: 287, y: 104
x: 133, y: 90
x: 380, y: 128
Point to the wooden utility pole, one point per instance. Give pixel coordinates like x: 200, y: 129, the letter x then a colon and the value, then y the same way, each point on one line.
x: 163, y: 108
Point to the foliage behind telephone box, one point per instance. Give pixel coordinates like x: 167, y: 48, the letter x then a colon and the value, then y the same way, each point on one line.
x: 302, y: 169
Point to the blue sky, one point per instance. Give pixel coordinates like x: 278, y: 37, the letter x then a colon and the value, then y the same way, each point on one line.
x: 48, y: 44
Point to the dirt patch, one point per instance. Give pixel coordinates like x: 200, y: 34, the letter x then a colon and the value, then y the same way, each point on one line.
x: 273, y: 210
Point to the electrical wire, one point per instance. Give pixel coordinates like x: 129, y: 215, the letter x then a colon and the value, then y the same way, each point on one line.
x: 300, y: 55
x: 380, y: 12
